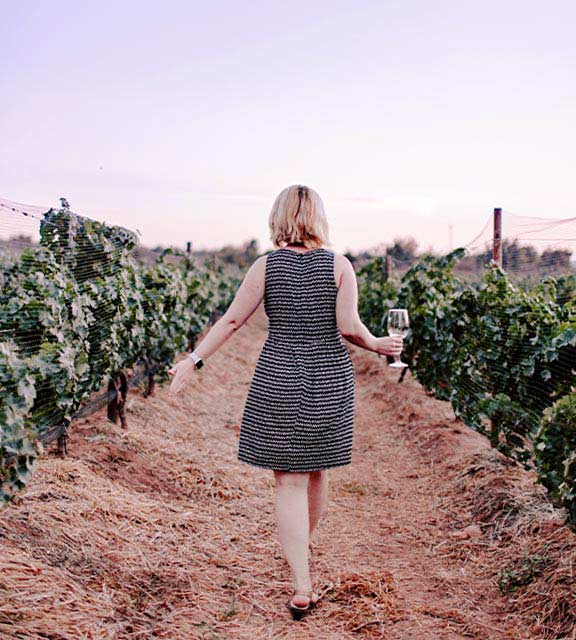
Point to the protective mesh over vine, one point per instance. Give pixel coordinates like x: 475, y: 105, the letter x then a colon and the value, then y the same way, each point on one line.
x: 499, y: 344
x: 532, y: 247
x: 76, y: 309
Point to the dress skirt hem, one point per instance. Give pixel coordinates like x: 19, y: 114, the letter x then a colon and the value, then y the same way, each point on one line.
x: 292, y: 469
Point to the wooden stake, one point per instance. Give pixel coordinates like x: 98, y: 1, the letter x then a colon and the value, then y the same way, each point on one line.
x: 497, y: 237
x: 117, y: 392
x: 389, y: 268
x: 62, y: 449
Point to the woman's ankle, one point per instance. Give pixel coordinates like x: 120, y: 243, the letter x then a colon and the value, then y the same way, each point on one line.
x: 304, y: 587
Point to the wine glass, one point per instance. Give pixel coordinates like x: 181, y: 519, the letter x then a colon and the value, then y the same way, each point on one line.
x: 398, y: 325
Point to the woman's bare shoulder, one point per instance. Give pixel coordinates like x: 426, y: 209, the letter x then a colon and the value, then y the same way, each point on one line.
x: 342, y: 262
x: 257, y: 269
x: 342, y: 268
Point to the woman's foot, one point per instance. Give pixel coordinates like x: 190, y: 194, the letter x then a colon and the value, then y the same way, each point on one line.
x: 302, y: 599
x: 301, y: 602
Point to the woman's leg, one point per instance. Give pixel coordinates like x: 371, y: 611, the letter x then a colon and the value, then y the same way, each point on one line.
x: 317, y: 498
x: 293, y: 524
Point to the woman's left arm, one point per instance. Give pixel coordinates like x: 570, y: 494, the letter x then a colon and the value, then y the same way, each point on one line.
x: 246, y: 301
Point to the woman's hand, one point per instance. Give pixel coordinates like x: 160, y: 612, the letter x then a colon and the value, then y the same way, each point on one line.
x: 182, y: 372
x: 390, y: 345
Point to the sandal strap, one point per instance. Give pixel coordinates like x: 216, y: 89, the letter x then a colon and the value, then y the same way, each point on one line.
x: 310, y: 594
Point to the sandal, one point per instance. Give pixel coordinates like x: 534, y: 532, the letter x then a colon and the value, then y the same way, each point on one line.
x: 297, y: 611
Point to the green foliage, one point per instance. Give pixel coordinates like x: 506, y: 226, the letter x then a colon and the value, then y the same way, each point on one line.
x: 168, y: 318
x: 555, y: 452
x: 566, y: 289
x: 45, y: 317
x: 500, y: 354
x: 78, y: 309
x: 522, y: 571
x: 19, y: 449
x: 376, y: 294
x: 510, y: 362
x: 428, y: 290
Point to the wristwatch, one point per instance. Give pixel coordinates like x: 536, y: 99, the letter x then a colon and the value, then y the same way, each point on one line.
x: 197, y: 361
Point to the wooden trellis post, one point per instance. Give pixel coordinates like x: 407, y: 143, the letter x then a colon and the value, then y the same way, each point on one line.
x: 497, y: 237
x: 389, y: 266
x: 117, y: 392
x: 62, y: 447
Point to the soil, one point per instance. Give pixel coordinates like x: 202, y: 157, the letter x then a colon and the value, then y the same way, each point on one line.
x: 157, y: 531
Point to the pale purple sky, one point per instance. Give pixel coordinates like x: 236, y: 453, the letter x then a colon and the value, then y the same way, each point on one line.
x: 185, y: 119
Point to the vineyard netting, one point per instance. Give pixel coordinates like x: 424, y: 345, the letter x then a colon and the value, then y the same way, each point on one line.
x: 77, y: 311
x: 498, y: 343
x: 80, y: 307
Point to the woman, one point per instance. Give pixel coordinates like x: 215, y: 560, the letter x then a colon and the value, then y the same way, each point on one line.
x: 299, y: 413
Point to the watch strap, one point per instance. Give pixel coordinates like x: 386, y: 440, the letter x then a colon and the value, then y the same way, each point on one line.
x: 197, y: 360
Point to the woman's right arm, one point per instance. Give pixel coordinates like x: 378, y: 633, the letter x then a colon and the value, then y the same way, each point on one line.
x: 349, y: 323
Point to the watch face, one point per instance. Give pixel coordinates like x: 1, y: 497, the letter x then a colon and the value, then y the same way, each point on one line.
x: 199, y: 364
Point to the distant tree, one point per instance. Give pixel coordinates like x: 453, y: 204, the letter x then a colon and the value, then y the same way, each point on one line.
x: 351, y: 257
x: 517, y: 257
x: 242, y: 256
x: 556, y: 258
x: 403, y: 249
x: 251, y: 250
x: 21, y: 240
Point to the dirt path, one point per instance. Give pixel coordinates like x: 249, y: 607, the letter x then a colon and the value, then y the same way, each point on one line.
x: 158, y: 532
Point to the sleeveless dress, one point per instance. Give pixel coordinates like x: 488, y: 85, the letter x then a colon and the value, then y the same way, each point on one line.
x: 299, y: 410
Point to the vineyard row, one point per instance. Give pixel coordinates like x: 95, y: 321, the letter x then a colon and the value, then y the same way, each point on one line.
x: 78, y: 312
x: 502, y: 355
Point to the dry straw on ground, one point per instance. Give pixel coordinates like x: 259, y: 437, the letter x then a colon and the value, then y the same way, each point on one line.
x: 158, y: 532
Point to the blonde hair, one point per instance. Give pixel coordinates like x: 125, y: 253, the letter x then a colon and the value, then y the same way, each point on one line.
x: 297, y: 217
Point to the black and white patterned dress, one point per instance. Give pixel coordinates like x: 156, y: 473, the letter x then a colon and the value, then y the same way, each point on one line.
x: 299, y: 411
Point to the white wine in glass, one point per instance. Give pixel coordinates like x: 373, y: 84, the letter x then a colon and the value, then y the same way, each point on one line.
x: 398, y: 325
